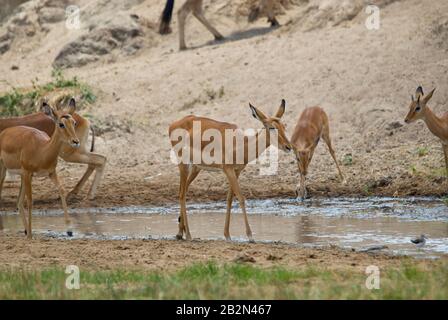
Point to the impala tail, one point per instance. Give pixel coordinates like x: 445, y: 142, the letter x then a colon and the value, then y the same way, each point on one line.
x: 92, y: 146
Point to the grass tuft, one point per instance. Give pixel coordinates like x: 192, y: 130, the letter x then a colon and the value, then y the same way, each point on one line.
x: 20, y: 102
x: 229, y: 281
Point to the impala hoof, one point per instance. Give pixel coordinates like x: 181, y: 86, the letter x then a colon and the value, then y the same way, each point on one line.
x: 70, y: 233
x: 26, y: 233
x: 251, y: 240
x: 178, y: 237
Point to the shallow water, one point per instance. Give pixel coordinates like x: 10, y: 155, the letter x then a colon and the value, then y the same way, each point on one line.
x: 346, y: 222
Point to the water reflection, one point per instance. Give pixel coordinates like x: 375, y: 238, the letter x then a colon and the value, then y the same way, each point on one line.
x: 342, y: 222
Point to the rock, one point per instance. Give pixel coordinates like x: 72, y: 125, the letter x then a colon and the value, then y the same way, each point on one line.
x: 51, y: 15
x: 374, y: 248
x: 394, y: 125
x: 125, y: 36
x: 272, y: 257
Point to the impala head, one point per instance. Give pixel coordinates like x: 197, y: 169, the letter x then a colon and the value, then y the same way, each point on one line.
x: 274, y: 123
x: 418, y: 105
x: 64, y: 122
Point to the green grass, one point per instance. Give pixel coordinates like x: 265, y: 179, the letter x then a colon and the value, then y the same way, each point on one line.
x: 19, y: 102
x: 348, y: 159
x: 422, y: 151
x: 230, y: 281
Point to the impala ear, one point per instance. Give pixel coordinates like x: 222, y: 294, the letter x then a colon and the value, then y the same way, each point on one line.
x: 71, y: 107
x: 257, y: 114
x: 419, y: 92
x: 281, y: 109
x: 428, y: 96
x: 47, y: 110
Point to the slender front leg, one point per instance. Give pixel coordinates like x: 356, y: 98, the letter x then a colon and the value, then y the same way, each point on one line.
x: 54, y: 178
x: 229, y: 209
x: 303, y: 186
x: 233, y: 181
x: 183, y: 223
x: 27, y: 179
x: 21, y: 206
x: 445, y: 152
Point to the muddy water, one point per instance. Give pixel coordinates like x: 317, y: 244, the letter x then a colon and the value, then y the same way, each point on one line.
x: 353, y: 223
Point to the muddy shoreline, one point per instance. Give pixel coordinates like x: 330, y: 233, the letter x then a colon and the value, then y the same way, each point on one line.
x: 128, y: 190
x: 165, y: 255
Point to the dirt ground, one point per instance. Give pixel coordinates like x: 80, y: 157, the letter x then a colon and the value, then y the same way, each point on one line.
x: 169, y: 255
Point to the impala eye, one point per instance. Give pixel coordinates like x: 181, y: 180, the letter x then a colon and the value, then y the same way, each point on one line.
x: 61, y: 125
x: 418, y: 108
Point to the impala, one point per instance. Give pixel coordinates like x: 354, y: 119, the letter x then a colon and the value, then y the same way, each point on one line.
x: 195, y: 6
x: 438, y: 126
x: 32, y: 152
x: 312, y: 125
x: 81, y: 155
x: 190, y: 168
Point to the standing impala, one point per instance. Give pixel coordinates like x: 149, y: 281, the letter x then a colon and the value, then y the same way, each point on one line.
x: 238, y: 154
x: 312, y: 125
x: 195, y: 6
x: 81, y: 155
x: 31, y: 151
x: 438, y: 126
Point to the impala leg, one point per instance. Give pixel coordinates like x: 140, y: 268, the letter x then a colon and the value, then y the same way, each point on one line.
x: 54, y: 178
x: 199, y: 14
x: 21, y: 192
x: 27, y: 179
x: 326, y: 138
x: 183, y: 223
x: 233, y: 181
x: 21, y: 206
x: 82, y: 182
x: 303, y: 186
x: 268, y: 7
x: 193, y: 174
x: 229, y: 210
x: 2, y: 177
x: 95, y: 162
x: 445, y: 152
x: 182, y: 17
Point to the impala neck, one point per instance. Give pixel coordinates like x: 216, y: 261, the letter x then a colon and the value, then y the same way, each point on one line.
x: 435, y: 124
x: 262, y: 135
x: 51, y: 150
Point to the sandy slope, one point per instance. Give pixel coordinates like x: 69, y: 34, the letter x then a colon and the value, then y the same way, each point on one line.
x: 362, y: 78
